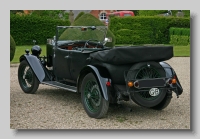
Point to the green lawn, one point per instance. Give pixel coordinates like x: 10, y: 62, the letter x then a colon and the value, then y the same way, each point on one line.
x: 20, y: 50
x: 179, y: 51
x: 183, y: 51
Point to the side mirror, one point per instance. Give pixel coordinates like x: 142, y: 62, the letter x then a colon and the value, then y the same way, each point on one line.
x: 51, y: 41
x: 107, y: 40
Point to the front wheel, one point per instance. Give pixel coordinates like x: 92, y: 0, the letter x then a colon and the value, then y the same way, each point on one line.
x: 27, y: 79
x: 91, y: 96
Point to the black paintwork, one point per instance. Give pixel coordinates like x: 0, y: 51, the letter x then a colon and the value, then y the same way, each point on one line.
x: 64, y: 67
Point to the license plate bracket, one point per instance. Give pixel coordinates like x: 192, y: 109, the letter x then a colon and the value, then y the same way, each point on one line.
x: 149, y: 83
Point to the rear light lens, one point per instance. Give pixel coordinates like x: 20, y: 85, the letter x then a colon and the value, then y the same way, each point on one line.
x: 108, y: 84
x: 173, y: 81
x: 133, y: 84
x: 130, y: 84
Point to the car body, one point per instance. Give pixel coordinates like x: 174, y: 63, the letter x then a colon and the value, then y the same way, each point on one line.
x: 121, y: 13
x: 118, y: 14
x: 78, y: 60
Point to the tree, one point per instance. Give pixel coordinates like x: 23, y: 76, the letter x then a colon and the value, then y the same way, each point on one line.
x: 12, y: 48
x: 56, y: 14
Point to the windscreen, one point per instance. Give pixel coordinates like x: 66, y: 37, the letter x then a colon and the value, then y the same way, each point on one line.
x: 73, y: 33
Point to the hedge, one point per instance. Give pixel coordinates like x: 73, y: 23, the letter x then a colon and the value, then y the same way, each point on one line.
x: 145, y: 29
x: 26, y: 28
x: 79, y: 15
x: 158, y: 12
x: 179, y: 31
x: 179, y: 36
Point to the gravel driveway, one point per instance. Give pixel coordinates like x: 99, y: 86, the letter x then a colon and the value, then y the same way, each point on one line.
x: 52, y: 108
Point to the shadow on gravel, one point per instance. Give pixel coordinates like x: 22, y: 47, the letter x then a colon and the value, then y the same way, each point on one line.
x: 70, y: 98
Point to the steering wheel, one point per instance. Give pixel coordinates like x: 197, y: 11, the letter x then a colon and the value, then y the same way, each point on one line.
x: 86, y: 43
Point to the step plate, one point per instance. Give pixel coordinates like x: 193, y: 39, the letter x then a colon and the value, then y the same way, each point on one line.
x: 60, y: 85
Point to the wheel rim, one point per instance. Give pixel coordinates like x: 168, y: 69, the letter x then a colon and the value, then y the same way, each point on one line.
x: 147, y: 73
x: 92, y: 96
x: 26, y: 77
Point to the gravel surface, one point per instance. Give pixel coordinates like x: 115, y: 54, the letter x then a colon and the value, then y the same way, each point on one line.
x: 52, y: 108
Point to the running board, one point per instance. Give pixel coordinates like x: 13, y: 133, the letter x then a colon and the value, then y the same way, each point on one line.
x: 60, y: 85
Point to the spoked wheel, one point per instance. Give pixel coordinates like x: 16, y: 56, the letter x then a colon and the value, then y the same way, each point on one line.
x: 27, y: 80
x: 148, y: 97
x: 93, y: 102
x: 164, y: 103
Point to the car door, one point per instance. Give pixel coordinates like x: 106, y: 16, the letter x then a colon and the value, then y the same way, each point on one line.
x: 61, y: 64
x: 79, y: 59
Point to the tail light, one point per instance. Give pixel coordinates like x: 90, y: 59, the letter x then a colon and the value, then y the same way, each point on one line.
x: 133, y: 84
x: 130, y: 84
x: 171, y: 81
x: 108, y: 83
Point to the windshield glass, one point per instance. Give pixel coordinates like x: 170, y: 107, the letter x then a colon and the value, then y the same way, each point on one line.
x: 81, y: 33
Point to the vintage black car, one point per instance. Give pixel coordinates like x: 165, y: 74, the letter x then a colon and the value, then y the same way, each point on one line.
x: 80, y: 62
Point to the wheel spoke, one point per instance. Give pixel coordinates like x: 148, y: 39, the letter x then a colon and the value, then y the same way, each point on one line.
x: 26, y: 77
x: 146, y: 73
x: 92, y: 96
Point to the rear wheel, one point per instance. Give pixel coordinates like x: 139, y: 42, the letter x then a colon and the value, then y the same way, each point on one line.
x: 148, y: 97
x: 27, y: 80
x: 164, y: 103
x: 93, y: 102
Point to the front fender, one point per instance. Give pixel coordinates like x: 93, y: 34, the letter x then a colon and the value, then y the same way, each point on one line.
x: 169, y: 73
x: 35, y: 65
x: 102, y: 81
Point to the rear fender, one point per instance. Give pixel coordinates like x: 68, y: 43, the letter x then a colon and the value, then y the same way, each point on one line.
x: 35, y: 65
x: 169, y: 73
x: 102, y: 81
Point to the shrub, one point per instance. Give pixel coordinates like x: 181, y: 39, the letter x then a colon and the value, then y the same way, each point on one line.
x: 54, y: 14
x: 90, y: 20
x: 147, y: 29
x: 12, y: 48
x: 179, y: 40
x: 179, y: 31
x: 159, y: 12
x: 179, y: 36
x: 151, y: 12
x: 79, y: 15
x: 27, y: 28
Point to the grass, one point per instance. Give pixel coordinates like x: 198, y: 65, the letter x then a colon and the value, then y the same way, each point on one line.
x: 179, y: 51
x: 20, y: 50
x: 183, y: 51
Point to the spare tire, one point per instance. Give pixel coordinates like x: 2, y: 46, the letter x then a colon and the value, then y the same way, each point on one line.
x: 147, y: 70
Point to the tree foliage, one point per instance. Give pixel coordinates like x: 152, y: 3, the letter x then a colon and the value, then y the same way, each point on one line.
x: 12, y: 48
x: 55, y: 14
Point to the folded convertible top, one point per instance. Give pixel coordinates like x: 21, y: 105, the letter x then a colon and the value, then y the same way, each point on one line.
x: 133, y: 54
